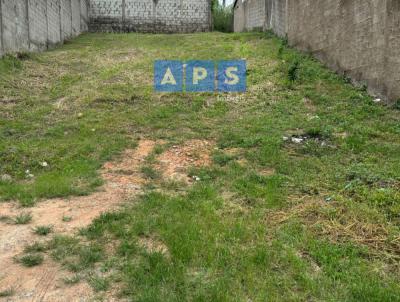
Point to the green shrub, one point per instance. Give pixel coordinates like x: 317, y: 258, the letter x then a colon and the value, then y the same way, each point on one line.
x: 222, y: 17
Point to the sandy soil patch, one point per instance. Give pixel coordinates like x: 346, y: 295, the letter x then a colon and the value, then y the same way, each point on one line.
x: 44, y: 282
x: 175, y: 162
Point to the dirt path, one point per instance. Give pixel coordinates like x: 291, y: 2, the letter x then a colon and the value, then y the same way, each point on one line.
x: 123, y: 179
x: 44, y: 282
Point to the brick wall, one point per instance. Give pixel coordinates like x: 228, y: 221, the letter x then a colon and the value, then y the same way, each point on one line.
x: 150, y: 16
x: 357, y: 38
x: 31, y: 25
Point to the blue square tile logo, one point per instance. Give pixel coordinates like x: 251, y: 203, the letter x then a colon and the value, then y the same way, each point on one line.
x: 231, y: 76
x: 200, y: 76
x: 168, y: 76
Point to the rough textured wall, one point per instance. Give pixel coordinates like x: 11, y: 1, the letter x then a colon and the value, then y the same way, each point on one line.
x: 255, y: 10
x: 76, y: 17
x: 150, y: 15
x: 239, y: 18
x: 249, y: 15
x: 66, y: 19
x: 14, y: 17
x: 392, y: 50
x: 84, y: 15
x: 53, y: 22
x: 358, y: 38
x: 37, y: 24
x: 276, y: 16
x: 30, y: 25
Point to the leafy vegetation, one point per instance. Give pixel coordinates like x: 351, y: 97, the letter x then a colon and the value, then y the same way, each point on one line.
x: 222, y: 17
x: 23, y: 218
x: 30, y: 260
x: 300, y: 202
x: 43, y: 230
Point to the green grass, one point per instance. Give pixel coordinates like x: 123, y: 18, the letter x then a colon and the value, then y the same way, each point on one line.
x: 43, y: 230
x: 30, y: 260
x: 323, y: 226
x: 66, y: 218
x: 23, y: 218
x: 7, y: 293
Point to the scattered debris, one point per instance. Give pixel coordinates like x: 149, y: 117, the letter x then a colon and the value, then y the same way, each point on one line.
x: 297, y: 140
x: 175, y: 162
x: 44, y: 164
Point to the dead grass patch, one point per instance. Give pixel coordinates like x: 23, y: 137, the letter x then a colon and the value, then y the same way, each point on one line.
x: 153, y: 245
x: 339, y: 224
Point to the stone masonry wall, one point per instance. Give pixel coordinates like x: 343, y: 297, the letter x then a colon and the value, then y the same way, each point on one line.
x: 168, y: 16
x: 32, y: 25
x: 357, y: 38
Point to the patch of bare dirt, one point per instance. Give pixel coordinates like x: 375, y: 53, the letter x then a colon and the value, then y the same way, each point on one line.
x: 175, y: 162
x: 123, y: 178
x: 153, y: 245
x: 42, y: 283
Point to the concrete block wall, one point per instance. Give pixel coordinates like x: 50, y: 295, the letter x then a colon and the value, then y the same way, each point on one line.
x: 356, y: 38
x: 168, y: 16
x: 250, y: 15
x: 34, y: 25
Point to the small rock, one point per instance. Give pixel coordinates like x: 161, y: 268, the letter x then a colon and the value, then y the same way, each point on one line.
x: 297, y: 140
x: 6, y: 178
x: 44, y: 164
x: 377, y: 100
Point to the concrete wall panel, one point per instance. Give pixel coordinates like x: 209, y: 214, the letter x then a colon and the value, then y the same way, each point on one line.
x: 15, y: 25
x: 66, y: 19
x: 76, y: 17
x: 53, y: 22
x: 38, y: 24
x: 357, y: 38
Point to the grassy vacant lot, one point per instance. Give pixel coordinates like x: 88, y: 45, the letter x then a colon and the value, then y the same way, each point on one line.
x: 302, y: 200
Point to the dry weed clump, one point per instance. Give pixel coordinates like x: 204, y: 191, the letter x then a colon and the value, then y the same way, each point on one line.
x: 338, y: 223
